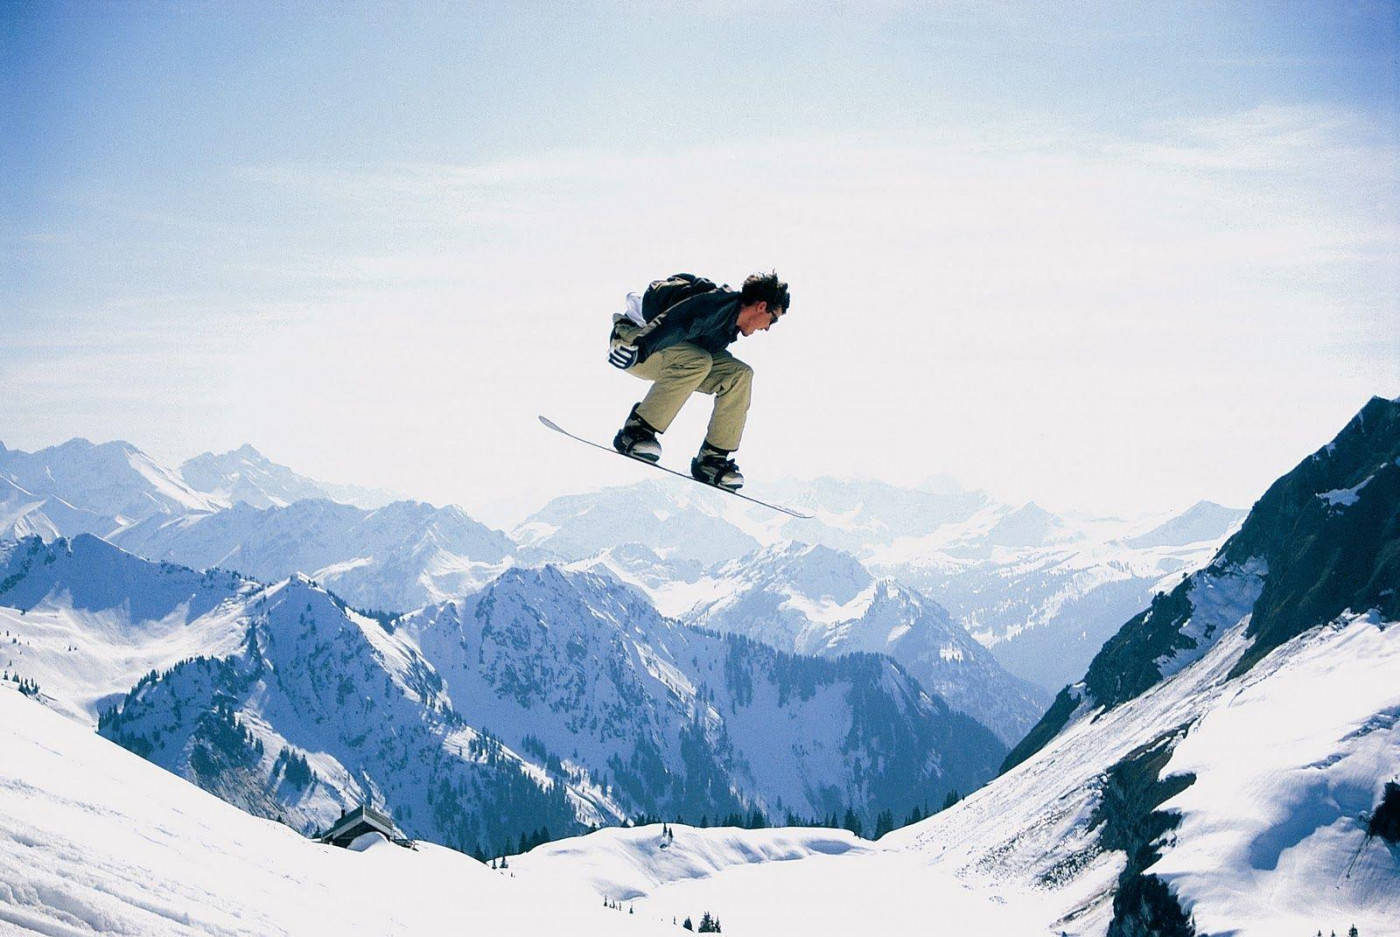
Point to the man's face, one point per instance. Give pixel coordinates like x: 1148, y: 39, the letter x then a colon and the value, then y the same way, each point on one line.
x: 758, y: 317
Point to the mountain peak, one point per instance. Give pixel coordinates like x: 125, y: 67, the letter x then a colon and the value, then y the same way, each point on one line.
x: 1030, y: 525
x: 114, y: 480
x: 1204, y: 520
x: 1329, y: 531
x: 1324, y: 539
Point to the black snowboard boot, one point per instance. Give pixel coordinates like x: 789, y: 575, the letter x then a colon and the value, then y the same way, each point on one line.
x: 637, y: 438
x: 714, y: 467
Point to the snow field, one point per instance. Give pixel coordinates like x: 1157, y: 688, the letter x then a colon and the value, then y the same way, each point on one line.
x: 768, y: 883
x: 95, y: 840
x: 1285, y: 768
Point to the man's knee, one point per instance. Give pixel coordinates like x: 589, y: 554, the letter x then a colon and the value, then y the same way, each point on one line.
x: 731, y: 374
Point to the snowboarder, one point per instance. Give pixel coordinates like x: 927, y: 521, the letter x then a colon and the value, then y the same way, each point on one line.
x: 675, y: 335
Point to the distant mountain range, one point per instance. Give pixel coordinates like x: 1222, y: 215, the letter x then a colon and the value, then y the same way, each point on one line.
x: 816, y: 600
x: 547, y: 699
x: 245, y: 476
x: 1221, y: 765
x: 241, y: 511
x: 100, y: 488
x: 401, y: 556
x: 82, y: 487
x: 1041, y: 591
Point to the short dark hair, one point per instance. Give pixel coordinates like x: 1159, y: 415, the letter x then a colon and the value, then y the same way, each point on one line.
x: 765, y: 287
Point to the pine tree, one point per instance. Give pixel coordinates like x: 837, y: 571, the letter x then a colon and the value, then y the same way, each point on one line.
x: 687, y: 925
x: 852, y: 821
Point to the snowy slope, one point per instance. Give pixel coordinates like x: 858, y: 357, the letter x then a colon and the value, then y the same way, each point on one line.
x: 85, y: 621
x: 1270, y: 830
x: 1286, y: 762
x: 1271, y: 838
x: 96, y: 840
x: 1283, y: 765
x: 776, y: 883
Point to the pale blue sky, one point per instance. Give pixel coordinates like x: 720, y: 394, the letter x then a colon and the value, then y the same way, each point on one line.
x: 1110, y: 256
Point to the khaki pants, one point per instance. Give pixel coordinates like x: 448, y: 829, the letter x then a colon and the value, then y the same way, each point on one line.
x: 681, y: 370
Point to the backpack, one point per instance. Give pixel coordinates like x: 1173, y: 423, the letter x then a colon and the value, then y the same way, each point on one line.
x: 665, y: 294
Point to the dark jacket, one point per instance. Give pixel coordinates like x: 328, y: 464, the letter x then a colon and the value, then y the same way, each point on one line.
x: 687, y: 308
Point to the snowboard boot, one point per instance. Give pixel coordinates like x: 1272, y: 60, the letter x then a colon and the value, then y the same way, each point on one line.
x: 714, y: 467
x: 637, y: 438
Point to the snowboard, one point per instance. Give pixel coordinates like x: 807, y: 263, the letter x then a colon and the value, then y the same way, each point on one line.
x: 686, y: 475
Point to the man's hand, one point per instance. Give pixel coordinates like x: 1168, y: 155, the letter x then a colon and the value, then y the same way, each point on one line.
x: 623, y: 354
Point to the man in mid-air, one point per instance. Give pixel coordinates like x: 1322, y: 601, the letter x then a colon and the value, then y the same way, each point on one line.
x: 676, y: 335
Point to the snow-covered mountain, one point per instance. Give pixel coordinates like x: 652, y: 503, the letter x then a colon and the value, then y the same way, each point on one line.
x: 95, y: 488
x: 674, y: 522
x: 244, y: 475
x: 1210, y: 769
x: 1204, y: 521
x: 241, y: 511
x: 278, y: 698
x: 1040, y: 590
x: 1260, y: 825
x: 1043, y: 592
x: 816, y: 600
x: 549, y: 699
x: 679, y: 717
x: 404, y: 555
x: 25, y: 514
x: 84, y: 620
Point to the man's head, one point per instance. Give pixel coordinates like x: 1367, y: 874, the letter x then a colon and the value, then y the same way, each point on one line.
x: 762, y: 302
